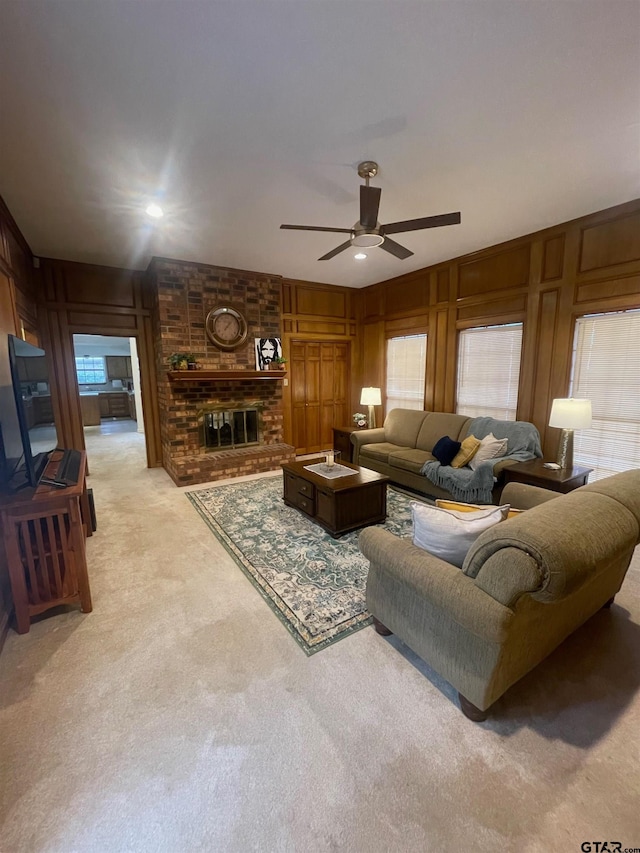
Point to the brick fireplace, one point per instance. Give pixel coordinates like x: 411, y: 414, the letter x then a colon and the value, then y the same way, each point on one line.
x: 186, y: 292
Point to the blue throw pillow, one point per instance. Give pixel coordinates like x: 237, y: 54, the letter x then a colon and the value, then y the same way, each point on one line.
x: 445, y: 450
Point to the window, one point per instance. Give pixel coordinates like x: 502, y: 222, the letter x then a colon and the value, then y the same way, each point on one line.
x: 488, y: 371
x: 606, y: 370
x: 90, y: 370
x: 406, y: 367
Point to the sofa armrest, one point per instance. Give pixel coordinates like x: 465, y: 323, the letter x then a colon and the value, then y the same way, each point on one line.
x: 365, y: 436
x: 524, y: 496
x: 444, y: 585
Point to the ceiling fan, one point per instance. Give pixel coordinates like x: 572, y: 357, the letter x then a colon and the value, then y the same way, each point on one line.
x: 368, y: 232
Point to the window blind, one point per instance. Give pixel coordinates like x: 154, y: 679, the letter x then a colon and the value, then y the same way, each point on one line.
x: 606, y: 370
x: 489, y: 371
x: 406, y: 368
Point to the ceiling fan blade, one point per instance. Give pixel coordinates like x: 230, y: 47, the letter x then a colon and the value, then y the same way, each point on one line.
x: 316, y: 228
x: 425, y: 222
x: 335, y: 251
x: 369, y: 204
x: 395, y: 249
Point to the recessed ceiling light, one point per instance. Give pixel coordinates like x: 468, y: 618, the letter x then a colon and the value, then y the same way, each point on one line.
x: 154, y: 210
x: 360, y: 256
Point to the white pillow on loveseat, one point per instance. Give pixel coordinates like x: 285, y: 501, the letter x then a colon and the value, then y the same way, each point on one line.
x: 448, y: 534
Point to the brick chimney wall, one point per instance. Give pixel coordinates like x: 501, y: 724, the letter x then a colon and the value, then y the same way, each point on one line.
x: 186, y: 292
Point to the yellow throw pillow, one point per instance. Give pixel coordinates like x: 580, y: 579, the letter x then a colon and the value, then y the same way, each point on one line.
x: 473, y: 507
x: 468, y: 450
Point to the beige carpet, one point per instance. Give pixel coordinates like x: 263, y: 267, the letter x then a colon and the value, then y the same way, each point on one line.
x: 181, y: 716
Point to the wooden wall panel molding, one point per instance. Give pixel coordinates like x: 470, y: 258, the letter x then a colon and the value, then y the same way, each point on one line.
x: 372, y: 307
x: 314, y: 299
x: 413, y: 325
x: 322, y: 327
x: 505, y: 269
x: 493, y: 311
x: 610, y: 243
x: 553, y: 258
x: 606, y: 290
x: 409, y: 294
x: 442, y: 286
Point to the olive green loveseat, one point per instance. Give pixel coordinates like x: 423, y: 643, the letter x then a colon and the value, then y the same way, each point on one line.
x: 525, y: 585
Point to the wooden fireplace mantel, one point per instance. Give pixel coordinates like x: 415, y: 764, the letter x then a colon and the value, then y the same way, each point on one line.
x: 223, y: 375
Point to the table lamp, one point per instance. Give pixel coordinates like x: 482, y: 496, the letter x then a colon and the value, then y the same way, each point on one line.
x: 371, y: 397
x: 568, y: 415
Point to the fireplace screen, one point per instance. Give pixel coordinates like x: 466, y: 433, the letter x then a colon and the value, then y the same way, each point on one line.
x: 229, y: 428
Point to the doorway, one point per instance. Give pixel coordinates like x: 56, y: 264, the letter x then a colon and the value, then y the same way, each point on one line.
x: 108, y: 381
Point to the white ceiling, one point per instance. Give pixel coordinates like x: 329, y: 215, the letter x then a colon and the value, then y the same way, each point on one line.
x: 243, y: 115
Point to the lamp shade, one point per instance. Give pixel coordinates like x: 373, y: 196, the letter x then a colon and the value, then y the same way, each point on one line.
x: 371, y: 397
x: 570, y: 413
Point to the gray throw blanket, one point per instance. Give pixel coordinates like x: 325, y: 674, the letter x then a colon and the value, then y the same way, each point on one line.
x: 476, y: 486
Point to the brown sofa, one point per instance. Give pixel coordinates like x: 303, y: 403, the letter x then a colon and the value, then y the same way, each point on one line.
x: 525, y: 585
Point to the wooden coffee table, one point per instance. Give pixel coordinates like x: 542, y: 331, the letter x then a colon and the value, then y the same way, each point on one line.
x: 340, y: 504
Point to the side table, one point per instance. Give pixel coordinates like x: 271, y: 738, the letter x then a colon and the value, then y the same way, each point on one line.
x: 556, y: 479
x: 342, y: 441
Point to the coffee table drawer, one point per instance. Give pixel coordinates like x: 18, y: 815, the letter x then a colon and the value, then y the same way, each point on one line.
x: 300, y: 493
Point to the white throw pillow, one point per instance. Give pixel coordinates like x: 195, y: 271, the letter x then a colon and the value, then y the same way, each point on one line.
x: 449, y: 534
x: 490, y: 448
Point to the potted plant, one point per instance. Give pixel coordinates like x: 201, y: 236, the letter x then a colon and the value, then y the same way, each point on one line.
x: 192, y: 362
x: 178, y: 361
x: 278, y: 363
x: 360, y: 420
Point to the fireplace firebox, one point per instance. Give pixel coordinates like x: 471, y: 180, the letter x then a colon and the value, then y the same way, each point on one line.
x: 224, y: 429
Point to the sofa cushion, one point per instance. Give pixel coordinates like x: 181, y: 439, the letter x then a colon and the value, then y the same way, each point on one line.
x: 410, y: 460
x: 401, y: 426
x: 437, y: 424
x: 446, y: 449
x: 379, y: 451
x: 490, y: 448
x: 460, y: 507
x: 468, y: 449
x: 449, y: 534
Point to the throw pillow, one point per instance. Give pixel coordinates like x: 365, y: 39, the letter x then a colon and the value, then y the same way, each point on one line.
x: 468, y: 450
x: 445, y: 449
x: 490, y: 448
x: 448, y: 534
x: 510, y: 511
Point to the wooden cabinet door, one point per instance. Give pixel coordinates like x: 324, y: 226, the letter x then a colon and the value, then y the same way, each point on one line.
x: 117, y: 366
x: 103, y: 402
x: 319, y: 371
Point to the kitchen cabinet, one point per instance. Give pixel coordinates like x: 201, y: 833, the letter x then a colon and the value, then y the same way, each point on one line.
x: 113, y: 405
x: 132, y: 407
x: 118, y: 366
x: 90, y: 408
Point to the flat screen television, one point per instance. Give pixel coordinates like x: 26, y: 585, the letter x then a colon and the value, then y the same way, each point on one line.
x: 28, y: 430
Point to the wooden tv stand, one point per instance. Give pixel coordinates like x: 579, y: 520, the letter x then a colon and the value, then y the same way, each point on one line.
x: 44, y: 533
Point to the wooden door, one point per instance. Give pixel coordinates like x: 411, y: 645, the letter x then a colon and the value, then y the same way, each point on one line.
x: 319, y: 371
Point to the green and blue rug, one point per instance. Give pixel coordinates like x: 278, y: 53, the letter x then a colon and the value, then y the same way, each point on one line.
x: 314, y: 584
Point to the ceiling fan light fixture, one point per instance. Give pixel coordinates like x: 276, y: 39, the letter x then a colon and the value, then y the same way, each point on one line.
x: 366, y: 239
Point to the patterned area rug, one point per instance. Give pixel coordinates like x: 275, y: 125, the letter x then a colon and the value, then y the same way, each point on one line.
x: 315, y: 584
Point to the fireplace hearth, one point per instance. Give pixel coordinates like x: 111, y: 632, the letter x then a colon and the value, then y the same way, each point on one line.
x: 222, y: 429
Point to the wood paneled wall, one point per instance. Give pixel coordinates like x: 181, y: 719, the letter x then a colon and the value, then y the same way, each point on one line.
x: 18, y: 314
x: 544, y: 280
x: 95, y: 300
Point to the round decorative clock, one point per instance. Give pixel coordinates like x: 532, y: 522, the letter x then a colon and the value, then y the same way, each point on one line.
x: 226, y: 327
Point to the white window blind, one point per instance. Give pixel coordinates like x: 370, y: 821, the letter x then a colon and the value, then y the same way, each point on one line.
x: 606, y: 370
x: 406, y: 367
x: 489, y: 370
